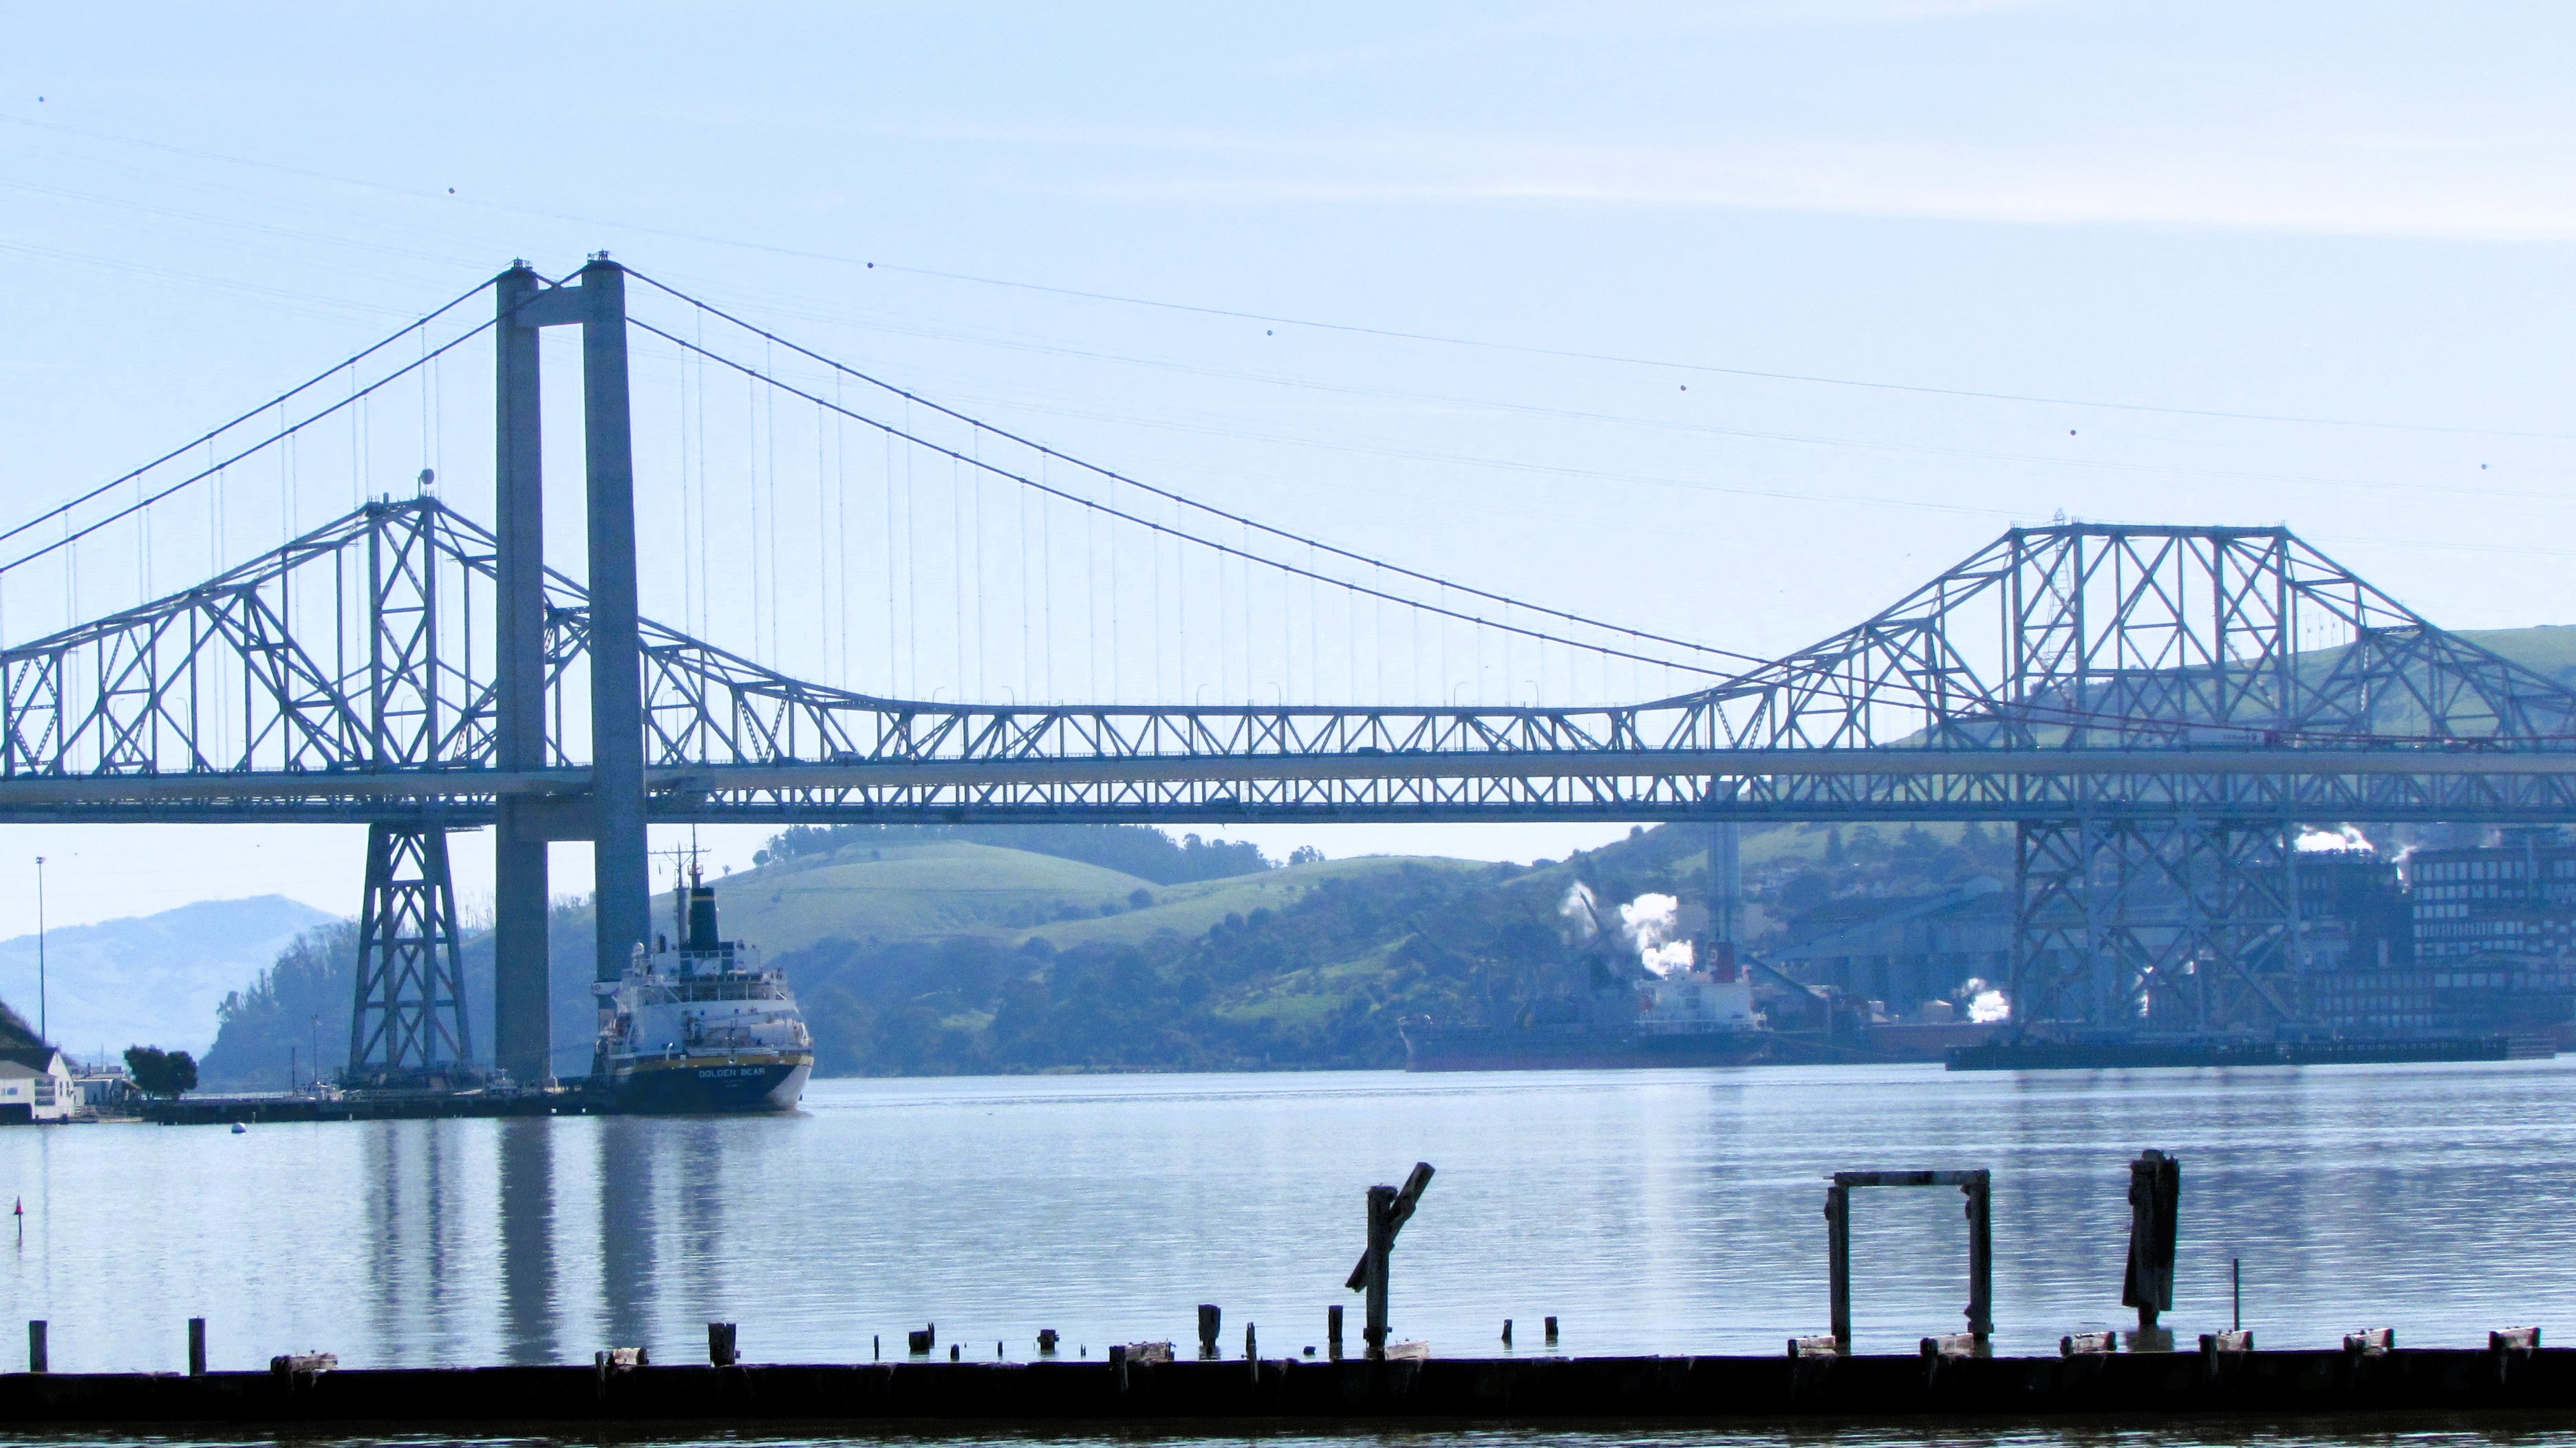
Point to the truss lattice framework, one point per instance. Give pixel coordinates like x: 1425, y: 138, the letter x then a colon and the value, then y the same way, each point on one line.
x: 2164, y: 925
x: 2077, y: 669
x: 410, y: 1017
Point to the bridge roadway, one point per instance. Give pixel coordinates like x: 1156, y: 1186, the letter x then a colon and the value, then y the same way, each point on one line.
x: 2393, y: 784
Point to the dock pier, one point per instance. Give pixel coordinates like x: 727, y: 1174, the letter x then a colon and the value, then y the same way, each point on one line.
x: 2139, y: 1387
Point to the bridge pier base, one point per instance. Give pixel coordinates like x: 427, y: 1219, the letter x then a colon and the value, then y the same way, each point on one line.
x: 409, y: 1023
x: 2163, y: 925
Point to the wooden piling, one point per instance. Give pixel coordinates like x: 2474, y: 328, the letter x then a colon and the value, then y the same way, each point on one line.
x: 1551, y: 1332
x: 196, y: 1347
x: 1507, y: 1332
x: 1838, y: 1264
x: 1333, y: 1331
x: 1979, y: 1189
x: 720, y: 1341
x: 1210, y: 1320
x: 1381, y: 1240
x: 2155, y: 1194
x: 36, y: 1362
x: 1046, y: 1342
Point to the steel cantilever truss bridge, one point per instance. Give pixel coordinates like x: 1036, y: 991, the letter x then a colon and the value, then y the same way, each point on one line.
x: 2157, y: 711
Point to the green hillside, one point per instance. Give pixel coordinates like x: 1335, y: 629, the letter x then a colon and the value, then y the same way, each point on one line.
x: 884, y: 892
x: 2548, y: 649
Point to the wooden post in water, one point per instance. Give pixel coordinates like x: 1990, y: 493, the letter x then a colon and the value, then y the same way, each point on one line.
x: 1381, y: 1241
x: 1838, y: 1264
x: 36, y: 1347
x: 1979, y: 1189
x: 2155, y: 1198
x: 1210, y: 1320
x: 196, y: 1347
x: 1388, y: 1210
x: 1333, y: 1331
x: 720, y: 1344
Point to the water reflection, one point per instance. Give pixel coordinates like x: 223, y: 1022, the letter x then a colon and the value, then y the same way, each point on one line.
x: 1649, y: 1211
x: 527, y: 1191
x: 627, y: 1230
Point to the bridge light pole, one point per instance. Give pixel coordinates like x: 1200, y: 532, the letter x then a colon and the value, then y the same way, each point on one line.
x: 44, y: 1031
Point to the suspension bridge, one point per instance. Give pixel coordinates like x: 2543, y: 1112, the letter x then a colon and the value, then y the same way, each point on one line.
x: 2156, y: 710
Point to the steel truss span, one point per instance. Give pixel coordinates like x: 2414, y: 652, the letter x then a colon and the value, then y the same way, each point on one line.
x: 2155, y: 710
x: 2068, y: 671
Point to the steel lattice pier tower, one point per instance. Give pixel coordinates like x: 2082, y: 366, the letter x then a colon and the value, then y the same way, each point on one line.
x: 410, y: 1023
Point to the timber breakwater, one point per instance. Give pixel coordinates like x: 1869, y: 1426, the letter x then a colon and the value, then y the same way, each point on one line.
x: 2130, y: 1387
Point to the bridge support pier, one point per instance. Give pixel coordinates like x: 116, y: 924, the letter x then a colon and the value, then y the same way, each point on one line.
x: 623, y: 867
x: 615, y: 814
x: 2165, y: 925
x: 522, y: 1019
x: 409, y: 1020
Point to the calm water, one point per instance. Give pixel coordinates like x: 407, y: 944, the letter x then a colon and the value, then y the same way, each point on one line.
x: 1668, y: 1212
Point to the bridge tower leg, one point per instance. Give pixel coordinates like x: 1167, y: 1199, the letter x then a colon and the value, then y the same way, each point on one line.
x: 521, y: 1015
x: 2157, y: 925
x: 409, y: 1020
x: 614, y: 819
x: 621, y: 861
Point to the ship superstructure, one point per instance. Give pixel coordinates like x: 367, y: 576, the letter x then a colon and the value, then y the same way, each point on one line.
x: 697, y: 1023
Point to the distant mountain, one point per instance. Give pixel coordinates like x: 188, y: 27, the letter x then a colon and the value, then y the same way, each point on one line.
x: 152, y: 980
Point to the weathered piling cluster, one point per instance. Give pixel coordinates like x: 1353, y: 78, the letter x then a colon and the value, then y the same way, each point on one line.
x: 1818, y: 1378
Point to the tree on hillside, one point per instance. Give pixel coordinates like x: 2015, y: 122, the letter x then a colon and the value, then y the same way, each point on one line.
x: 15, y: 1033
x: 161, y: 1073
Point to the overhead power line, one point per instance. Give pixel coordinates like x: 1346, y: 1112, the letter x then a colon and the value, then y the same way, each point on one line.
x: 1316, y: 324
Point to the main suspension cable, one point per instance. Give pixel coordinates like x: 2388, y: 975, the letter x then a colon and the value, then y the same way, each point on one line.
x: 1184, y: 499
x: 1225, y: 549
x: 279, y: 401
x: 146, y: 501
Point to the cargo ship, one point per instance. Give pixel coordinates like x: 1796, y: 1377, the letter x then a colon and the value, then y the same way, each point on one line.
x: 1685, y: 1017
x: 698, y: 1024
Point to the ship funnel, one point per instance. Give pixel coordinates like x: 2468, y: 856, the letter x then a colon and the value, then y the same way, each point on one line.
x: 702, y: 918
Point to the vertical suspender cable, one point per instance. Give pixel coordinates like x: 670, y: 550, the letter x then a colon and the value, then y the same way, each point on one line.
x: 1020, y: 587
x: 1046, y: 580
x: 957, y: 568
x: 751, y: 447
x: 975, y: 544
x: 825, y: 624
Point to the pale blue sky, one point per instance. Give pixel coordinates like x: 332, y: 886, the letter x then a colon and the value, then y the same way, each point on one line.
x: 2355, y: 214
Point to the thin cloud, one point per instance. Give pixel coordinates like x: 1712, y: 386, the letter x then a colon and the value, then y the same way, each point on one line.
x: 2382, y: 185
